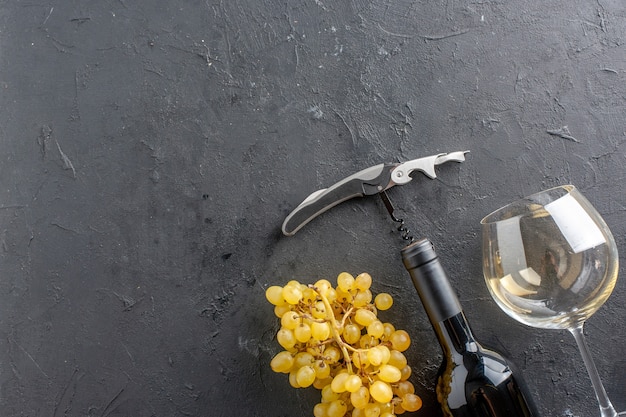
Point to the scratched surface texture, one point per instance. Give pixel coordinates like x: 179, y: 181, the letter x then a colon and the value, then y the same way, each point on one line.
x: 151, y: 150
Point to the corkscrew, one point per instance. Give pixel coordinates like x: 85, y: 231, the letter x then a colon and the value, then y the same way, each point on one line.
x: 373, y: 180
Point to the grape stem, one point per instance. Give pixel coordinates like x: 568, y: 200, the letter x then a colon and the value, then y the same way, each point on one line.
x: 346, y: 315
x: 335, y: 327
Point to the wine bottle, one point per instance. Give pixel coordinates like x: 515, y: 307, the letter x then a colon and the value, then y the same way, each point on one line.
x: 473, y: 381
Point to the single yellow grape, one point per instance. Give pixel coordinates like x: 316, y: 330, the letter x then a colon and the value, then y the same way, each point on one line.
x: 353, y: 383
x: 345, y: 282
x: 280, y: 311
x: 363, y: 281
x: 305, y: 376
x: 322, y: 286
x: 320, y: 410
x: 375, y: 356
x: 292, y: 294
x: 379, y: 355
x: 358, y: 412
x: 364, y: 317
x: 411, y: 402
x: 389, y: 329
x: 360, y: 397
x: 376, y: 329
x: 332, y: 354
x: 339, y: 382
x: 290, y: 320
x: 397, y: 408
x: 368, y: 341
x: 302, y: 332
x: 362, y: 298
x: 286, y: 338
x: 303, y: 359
x: 386, y: 408
x: 406, y: 373
x: 337, y: 408
x: 389, y: 373
x: 322, y: 369
x: 372, y: 410
x: 274, y: 295
x: 309, y: 295
x: 343, y: 296
x: 319, y: 310
x: 328, y: 395
x: 384, y: 350
x: 381, y: 391
x: 320, y: 331
x: 321, y: 383
x: 282, y: 362
x: 397, y: 359
x: 400, y: 340
x: 331, y: 295
x: 293, y: 378
x: 383, y: 301
x: 351, y: 333
x: 360, y: 359
x: 403, y: 387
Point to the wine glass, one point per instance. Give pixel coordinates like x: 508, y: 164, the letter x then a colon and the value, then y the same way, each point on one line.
x: 550, y: 261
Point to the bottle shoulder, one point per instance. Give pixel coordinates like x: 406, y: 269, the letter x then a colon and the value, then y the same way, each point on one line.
x: 482, y: 384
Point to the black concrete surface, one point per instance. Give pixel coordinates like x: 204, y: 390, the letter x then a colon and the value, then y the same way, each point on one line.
x: 151, y: 150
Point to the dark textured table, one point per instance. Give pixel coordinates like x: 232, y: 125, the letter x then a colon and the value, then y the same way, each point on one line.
x: 151, y: 150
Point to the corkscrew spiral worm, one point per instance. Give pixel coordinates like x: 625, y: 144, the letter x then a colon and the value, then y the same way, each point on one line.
x: 405, y: 233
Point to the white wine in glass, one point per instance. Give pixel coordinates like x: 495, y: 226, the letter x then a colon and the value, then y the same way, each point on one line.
x: 550, y: 261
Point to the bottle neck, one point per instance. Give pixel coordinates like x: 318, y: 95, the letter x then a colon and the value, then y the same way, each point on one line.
x: 430, y: 281
x: 455, y: 334
x: 438, y: 297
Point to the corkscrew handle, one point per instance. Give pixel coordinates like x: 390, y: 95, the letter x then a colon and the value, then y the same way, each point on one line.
x: 369, y: 181
x: 430, y: 280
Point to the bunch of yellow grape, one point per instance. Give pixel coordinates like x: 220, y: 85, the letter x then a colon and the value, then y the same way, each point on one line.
x: 333, y: 340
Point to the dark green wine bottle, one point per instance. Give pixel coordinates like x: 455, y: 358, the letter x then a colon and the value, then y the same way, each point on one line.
x: 472, y: 381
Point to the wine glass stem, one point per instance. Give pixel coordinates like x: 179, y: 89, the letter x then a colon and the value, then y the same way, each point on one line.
x: 606, y: 408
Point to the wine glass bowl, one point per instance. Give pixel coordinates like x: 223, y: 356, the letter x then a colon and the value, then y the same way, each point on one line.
x: 550, y: 261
